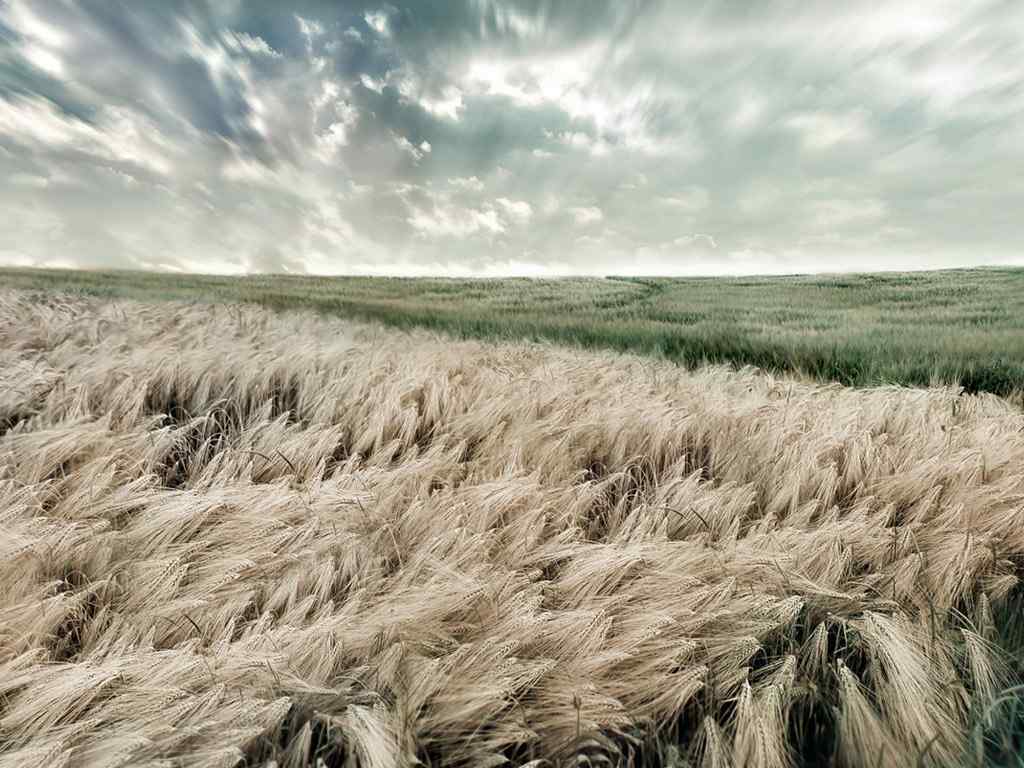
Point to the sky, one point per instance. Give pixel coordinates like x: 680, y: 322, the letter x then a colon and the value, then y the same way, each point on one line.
x: 511, y: 137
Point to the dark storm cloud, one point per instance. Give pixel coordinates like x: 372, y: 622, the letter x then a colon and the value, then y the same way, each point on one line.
x: 496, y: 136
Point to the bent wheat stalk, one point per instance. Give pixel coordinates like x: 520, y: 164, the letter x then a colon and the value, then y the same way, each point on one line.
x: 464, y: 557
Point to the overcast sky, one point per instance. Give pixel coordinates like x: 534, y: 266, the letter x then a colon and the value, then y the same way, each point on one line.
x: 491, y: 137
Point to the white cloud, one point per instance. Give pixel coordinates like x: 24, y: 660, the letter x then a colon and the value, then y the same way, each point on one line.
x: 759, y: 198
x: 518, y: 210
x: 841, y: 135
x: 118, y: 134
x: 567, y: 80
x: 696, y: 239
x: 417, y: 153
x: 378, y: 22
x: 336, y: 136
x: 586, y: 215
x: 452, y: 221
x: 40, y: 42
x: 550, y: 204
x: 374, y: 84
x: 344, y: 117
x: 688, y: 200
x: 309, y: 28
x: 838, y: 213
x: 257, y: 46
x: 43, y: 59
x: 245, y: 170
x: 747, y: 115
x: 820, y: 130
x: 359, y: 190
x: 471, y: 183
x: 447, y: 105
x: 510, y: 21
x: 19, y: 16
x: 588, y: 242
x: 29, y: 180
x: 493, y: 77
x: 597, y: 147
x: 636, y: 181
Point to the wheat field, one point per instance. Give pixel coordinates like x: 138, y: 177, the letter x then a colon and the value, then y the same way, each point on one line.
x: 962, y: 327
x: 234, y: 537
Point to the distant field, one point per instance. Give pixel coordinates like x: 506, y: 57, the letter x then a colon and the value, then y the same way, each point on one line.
x: 957, y: 326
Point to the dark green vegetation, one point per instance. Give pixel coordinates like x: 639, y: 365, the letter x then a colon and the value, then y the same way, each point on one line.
x: 957, y: 326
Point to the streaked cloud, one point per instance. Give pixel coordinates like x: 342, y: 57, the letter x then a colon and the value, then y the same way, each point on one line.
x: 478, y: 136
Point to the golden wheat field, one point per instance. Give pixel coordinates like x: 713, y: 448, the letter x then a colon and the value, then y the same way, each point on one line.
x: 233, y: 537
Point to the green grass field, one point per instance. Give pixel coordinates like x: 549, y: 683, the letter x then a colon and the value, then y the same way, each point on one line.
x: 957, y: 326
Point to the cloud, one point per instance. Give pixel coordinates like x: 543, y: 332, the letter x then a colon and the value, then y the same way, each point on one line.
x: 584, y: 215
x: 481, y: 135
x: 373, y: 84
x: 253, y: 44
x: 416, y: 151
x: 451, y: 221
x: 579, y: 140
x: 820, y: 130
x: 117, y: 135
x: 518, y: 210
x: 378, y: 22
x: 695, y: 239
x: 269, y: 258
x: 838, y: 213
x: 688, y: 200
x: 472, y: 183
x: 448, y: 104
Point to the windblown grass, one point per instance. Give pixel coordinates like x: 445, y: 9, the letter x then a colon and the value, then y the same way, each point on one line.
x: 230, y: 537
x: 957, y: 327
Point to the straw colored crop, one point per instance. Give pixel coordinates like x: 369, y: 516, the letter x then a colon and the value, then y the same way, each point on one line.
x: 229, y: 536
